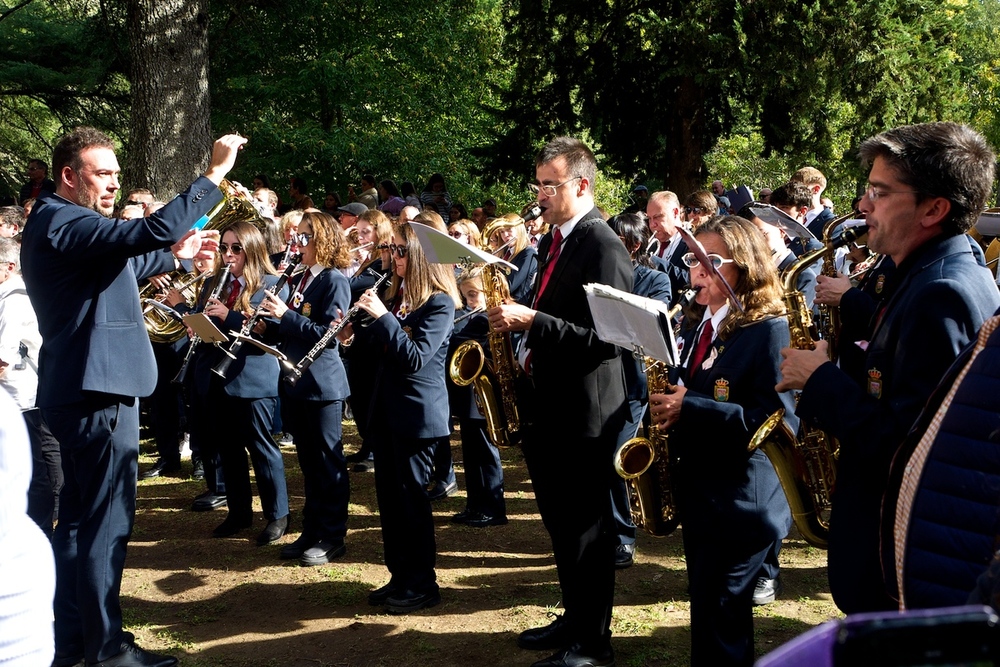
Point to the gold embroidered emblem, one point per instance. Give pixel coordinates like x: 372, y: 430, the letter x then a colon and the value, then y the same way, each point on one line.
x: 409, y: 332
x: 721, y: 392
x: 879, y: 283
x: 307, y: 309
x: 875, y: 383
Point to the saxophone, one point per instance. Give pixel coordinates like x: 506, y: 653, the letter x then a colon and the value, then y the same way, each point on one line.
x: 493, y: 382
x: 806, y: 465
x: 645, y: 463
x: 828, y: 317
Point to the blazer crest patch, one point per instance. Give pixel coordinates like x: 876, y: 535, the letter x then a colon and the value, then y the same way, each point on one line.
x: 721, y: 391
x: 409, y: 332
x: 879, y: 283
x: 875, y: 382
x: 307, y: 309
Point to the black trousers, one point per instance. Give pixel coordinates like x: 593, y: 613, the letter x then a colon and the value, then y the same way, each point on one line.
x: 99, y: 438
x: 316, y: 427
x: 402, y: 473
x: 572, y: 483
x: 46, y: 472
x: 483, y: 470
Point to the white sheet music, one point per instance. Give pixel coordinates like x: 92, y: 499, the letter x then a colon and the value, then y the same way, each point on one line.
x: 632, y: 322
x: 201, y: 325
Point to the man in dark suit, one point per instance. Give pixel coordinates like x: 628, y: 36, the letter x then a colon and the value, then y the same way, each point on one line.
x: 38, y: 182
x: 574, y: 402
x: 81, y: 268
x: 664, y: 212
x: 927, y: 185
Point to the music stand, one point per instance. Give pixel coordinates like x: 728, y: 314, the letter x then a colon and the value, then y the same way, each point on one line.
x: 633, y: 322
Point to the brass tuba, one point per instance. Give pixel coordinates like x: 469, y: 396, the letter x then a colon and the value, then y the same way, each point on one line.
x: 493, y: 382
x: 234, y: 207
x: 806, y: 465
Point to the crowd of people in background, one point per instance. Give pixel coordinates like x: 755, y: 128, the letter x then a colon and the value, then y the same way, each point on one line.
x: 288, y: 274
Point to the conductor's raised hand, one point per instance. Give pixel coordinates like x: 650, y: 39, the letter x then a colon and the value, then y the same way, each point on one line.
x: 224, y: 152
x: 197, y: 244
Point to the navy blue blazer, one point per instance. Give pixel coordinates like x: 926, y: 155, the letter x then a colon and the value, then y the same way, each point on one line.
x: 651, y: 284
x: 720, y: 483
x: 410, y: 395
x: 300, y: 328
x: 522, y: 280
x: 81, y: 270
x: 674, y: 267
x: 366, y: 279
x: 573, y: 371
x: 941, y: 298
x: 254, y: 373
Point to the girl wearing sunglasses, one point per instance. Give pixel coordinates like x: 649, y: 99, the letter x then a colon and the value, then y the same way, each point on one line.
x: 726, y: 391
x: 232, y: 415
x: 409, y: 412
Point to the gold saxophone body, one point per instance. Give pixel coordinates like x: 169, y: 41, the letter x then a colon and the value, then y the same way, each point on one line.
x: 806, y: 465
x: 645, y: 463
x: 828, y: 317
x: 493, y: 381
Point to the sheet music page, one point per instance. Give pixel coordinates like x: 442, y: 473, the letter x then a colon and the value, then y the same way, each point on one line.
x: 628, y: 321
x: 201, y: 325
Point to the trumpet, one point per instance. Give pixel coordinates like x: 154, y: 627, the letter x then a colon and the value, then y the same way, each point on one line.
x: 295, y: 372
x: 196, y: 339
x: 251, y: 322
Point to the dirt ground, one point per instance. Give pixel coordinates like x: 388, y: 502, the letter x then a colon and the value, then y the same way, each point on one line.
x: 230, y: 603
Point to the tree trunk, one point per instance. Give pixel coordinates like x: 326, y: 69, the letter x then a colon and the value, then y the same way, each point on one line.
x: 170, y: 133
x: 685, y: 138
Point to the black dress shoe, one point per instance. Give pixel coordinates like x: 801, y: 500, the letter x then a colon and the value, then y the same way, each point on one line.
x: 364, y: 465
x: 405, y: 602
x: 441, y: 490
x: 198, y: 468
x: 208, y: 501
x: 480, y: 520
x: 134, y: 656
x: 378, y: 596
x: 624, y: 555
x: 273, y: 531
x: 552, y: 636
x: 231, y: 526
x: 322, y: 552
x: 766, y: 590
x: 463, y: 516
x: 67, y: 661
x: 298, y: 547
x: 162, y: 467
x: 576, y: 656
x: 357, y: 457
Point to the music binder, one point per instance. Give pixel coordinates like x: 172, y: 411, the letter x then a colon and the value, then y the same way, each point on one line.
x: 633, y: 322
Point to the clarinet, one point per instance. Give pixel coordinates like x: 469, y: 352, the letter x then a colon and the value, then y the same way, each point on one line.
x: 248, y: 326
x: 295, y: 372
x: 196, y: 339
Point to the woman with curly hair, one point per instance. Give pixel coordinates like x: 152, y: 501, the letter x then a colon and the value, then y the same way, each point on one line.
x: 312, y: 408
x: 729, y: 499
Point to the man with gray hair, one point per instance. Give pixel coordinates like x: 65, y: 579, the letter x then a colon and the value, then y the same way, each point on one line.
x: 11, y: 221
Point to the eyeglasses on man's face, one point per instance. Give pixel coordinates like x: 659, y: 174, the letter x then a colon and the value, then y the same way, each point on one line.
x: 550, y: 190
x: 691, y: 260
x: 875, y: 193
x: 225, y: 248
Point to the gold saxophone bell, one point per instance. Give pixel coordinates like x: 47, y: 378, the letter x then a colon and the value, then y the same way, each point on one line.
x: 634, y: 457
x: 466, y: 363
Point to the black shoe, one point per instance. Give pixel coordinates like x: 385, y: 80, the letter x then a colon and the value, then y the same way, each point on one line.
x: 231, y: 526
x: 198, y: 470
x: 76, y: 661
x: 365, y: 465
x: 357, y: 457
x: 283, y: 439
x: 298, y: 547
x: 406, y: 601
x: 208, y: 501
x: 136, y: 656
x: 273, y: 531
x: 552, y: 636
x: 480, y: 520
x: 322, y: 553
x: 624, y: 555
x: 378, y: 596
x: 576, y: 656
x: 441, y: 490
x: 766, y: 590
x: 463, y: 516
x: 162, y: 467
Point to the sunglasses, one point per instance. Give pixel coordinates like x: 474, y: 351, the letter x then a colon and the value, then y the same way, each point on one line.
x: 398, y: 250
x: 691, y: 261
x: 236, y: 248
x: 304, y: 239
x: 456, y: 234
x: 693, y: 209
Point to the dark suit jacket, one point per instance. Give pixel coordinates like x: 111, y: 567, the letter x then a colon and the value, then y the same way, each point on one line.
x: 674, y: 268
x: 254, y: 373
x: 574, y: 372
x: 410, y: 395
x: 48, y: 185
x: 721, y: 484
x: 522, y: 280
x: 366, y: 279
x: 81, y: 270
x: 300, y: 329
x: 941, y: 298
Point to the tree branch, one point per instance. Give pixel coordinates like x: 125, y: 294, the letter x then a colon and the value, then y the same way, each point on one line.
x: 13, y: 9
